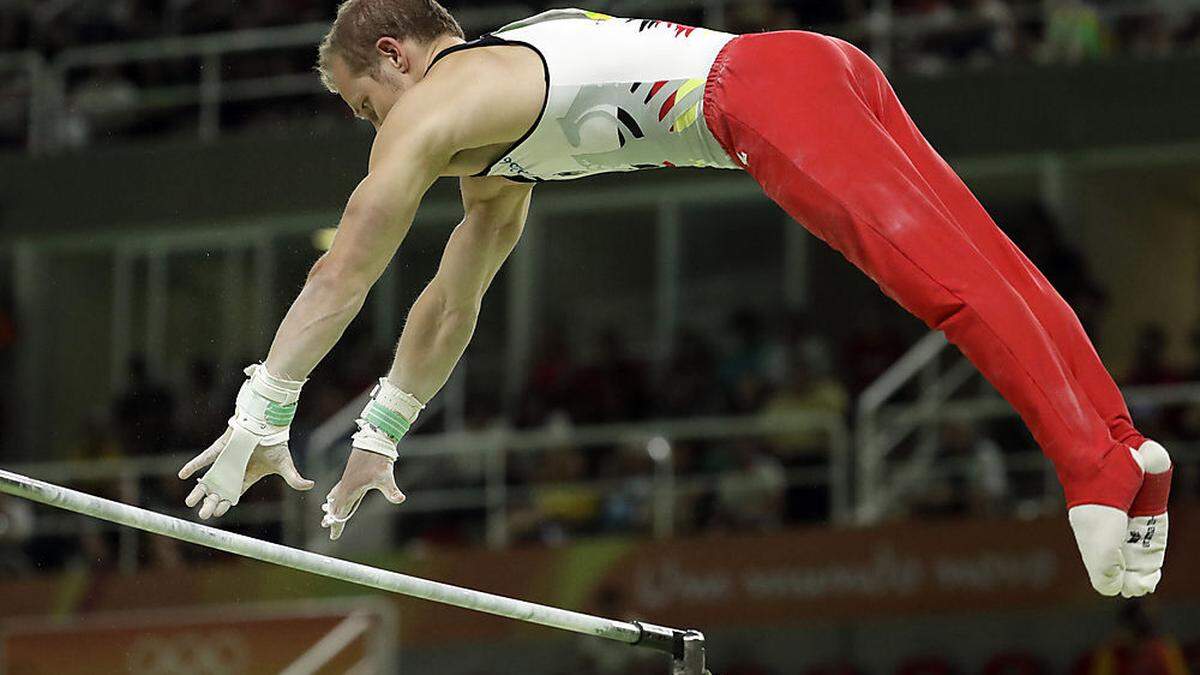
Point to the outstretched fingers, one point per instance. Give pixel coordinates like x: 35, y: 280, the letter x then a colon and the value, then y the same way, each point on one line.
x: 287, y: 470
x: 213, y: 506
x: 339, y: 508
x: 195, y: 496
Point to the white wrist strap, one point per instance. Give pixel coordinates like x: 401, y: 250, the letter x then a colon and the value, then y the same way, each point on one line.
x: 385, y: 420
x: 266, y: 405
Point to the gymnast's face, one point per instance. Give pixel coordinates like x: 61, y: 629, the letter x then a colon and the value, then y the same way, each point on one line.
x: 371, y: 95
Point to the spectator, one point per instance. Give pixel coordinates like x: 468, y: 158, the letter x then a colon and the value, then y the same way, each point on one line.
x: 973, y: 478
x: 1150, y: 365
x: 547, y: 389
x: 1150, y: 368
x: 871, y: 349
x: 809, y: 389
x: 206, y: 407
x: 557, y: 506
x: 612, y: 387
x: 751, y: 489
x: 688, y: 386
x: 744, y: 373
x: 1074, y: 33
x: 97, y: 441
x: 628, y: 504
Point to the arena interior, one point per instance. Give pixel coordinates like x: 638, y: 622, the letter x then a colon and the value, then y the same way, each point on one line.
x: 678, y: 407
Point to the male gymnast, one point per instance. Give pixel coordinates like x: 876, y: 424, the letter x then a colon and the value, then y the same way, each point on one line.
x: 571, y: 93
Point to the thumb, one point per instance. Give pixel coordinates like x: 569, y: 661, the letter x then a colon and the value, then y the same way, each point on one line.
x: 390, y: 491
x: 287, y: 469
x: 203, y: 459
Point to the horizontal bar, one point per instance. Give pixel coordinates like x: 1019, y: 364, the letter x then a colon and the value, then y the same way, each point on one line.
x: 335, y: 568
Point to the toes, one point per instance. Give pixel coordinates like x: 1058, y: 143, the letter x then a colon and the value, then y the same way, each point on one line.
x: 1137, y: 584
x: 1108, y: 581
x: 196, y: 495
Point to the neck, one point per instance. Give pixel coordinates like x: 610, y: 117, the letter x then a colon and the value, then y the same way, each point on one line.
x: 436, y: 48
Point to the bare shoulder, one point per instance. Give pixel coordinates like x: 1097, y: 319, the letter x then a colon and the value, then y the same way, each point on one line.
x: 471, y: 99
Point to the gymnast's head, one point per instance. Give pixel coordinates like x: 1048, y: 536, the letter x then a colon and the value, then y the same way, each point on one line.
x: 378, y: 49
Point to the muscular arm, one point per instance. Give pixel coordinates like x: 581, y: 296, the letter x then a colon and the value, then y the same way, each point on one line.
x: 437, y: 118
x: 443, y: 318
x: 377, y: 218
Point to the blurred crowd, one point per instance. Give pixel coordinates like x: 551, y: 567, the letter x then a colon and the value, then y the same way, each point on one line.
x: 774, y: 368
x: 927, y: 36
x: 1005, y: 27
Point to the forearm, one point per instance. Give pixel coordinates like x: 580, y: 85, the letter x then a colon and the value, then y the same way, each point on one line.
x: 313, y: 325
x: 435, y: 336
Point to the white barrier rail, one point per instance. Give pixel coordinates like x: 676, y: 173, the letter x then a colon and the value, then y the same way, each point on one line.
x: 938, y: 371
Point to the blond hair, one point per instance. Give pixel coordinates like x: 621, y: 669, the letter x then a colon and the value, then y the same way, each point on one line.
x: 361, y: 23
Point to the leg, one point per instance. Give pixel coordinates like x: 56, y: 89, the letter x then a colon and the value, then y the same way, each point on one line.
x: 819, y: 150
x: 1055, y: 315
x: 808, y: 126
x: 1145, y: 530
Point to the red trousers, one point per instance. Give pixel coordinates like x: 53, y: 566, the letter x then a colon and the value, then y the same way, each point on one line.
x: 817, y: 124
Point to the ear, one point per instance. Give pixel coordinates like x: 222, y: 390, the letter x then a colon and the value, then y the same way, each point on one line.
x: 393, y: 52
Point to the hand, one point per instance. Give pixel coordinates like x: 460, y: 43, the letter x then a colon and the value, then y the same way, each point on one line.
x: 264, y: 461
x: 365, y: 471
x: 1124, y: 552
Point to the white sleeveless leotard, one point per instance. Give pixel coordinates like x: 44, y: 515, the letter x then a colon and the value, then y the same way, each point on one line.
x: 622, y: 95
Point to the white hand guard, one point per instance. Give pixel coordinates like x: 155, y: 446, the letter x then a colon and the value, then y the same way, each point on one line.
x: 265, y: 408
x: 387, y: 417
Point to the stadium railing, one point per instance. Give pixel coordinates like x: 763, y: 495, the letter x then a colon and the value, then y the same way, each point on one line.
x: 485, y: 487
x: 488, y: 490
x: 888, y: 422
x: 882, y: 30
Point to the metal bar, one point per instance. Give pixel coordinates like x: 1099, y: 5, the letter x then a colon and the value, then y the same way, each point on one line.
x: 663, y: 639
